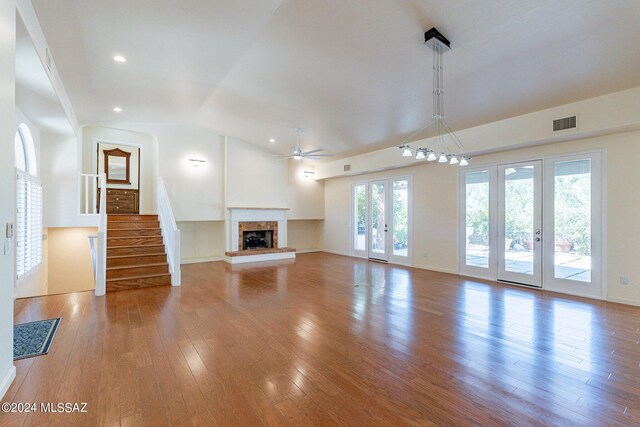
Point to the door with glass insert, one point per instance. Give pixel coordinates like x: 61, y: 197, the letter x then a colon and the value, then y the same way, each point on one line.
x: 573, y: 225
x: 520, y: 223
x: 378, y: 224
x: 381, y: 220
x: 477, y: 240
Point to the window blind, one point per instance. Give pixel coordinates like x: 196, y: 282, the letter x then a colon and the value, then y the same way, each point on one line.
x: 28, y: 223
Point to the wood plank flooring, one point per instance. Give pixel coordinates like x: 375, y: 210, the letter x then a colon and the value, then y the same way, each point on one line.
x: 331, y: 340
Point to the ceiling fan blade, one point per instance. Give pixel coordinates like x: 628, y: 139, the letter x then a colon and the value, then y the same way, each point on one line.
x: 319, y: 155
x: 313, y: 151
x: 284, y: 158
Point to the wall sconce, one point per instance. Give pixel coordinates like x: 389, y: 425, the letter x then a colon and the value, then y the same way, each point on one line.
x: 309, y: 174
x: 197, y: 162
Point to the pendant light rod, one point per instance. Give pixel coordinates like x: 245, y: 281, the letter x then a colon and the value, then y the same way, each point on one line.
x: 445, y: 138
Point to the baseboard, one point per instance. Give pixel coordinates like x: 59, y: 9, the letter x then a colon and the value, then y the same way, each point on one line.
x: 624, y: 301
x: 308, y: 251
x: 575, y: 294
x: 431, y: 268
x: 7, y: 380
x: 199, y: 260
x: 338, y: 253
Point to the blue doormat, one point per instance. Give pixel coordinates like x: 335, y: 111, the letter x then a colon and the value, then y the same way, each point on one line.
x: 33, y: 338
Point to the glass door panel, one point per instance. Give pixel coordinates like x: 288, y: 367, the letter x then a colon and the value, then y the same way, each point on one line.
x: 572, y: 220
x: 400, y: 221
x: 360, y: 217
x: 520, y: 223
x: 476, y: 213
x: 378, y: 245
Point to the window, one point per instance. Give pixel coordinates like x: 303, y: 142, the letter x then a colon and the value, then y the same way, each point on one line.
x: 28, y: 204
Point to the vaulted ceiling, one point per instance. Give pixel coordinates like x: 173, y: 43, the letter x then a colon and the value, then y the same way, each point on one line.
x: 353, y: 74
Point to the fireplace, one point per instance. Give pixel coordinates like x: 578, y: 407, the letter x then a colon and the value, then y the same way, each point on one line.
x: 257, y: 234
x: 254, y: 235
x: 259, y: 239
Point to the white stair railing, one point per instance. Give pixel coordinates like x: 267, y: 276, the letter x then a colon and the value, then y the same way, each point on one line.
x: 89, y: 183
x: 101, y: 247
x: 170, y: 233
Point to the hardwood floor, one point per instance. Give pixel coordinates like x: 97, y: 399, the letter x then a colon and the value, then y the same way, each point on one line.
x: 331, y: 340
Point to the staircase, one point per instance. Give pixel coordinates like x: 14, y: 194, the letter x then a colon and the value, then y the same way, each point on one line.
x: 136, y: 255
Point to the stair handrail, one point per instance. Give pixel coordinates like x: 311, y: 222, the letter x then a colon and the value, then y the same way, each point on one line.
x: 170, y: 233
x: 101, y: 259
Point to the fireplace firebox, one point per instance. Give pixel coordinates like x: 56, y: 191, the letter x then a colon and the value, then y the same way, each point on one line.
x: 257, y: 235
x: 257, y: 239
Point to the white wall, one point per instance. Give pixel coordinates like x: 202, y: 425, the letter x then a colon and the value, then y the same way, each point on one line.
x: 196, y: 192
x: 7, y: 189
x: 254, y: 177
x: 70, y: 268
x: 306, y: 195
x: 305, y: 235
x: 201, y: 241
x: 92, y: 135
x: 60, y: 169
x: 435, y: 208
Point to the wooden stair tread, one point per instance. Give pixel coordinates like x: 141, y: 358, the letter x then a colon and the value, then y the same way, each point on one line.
x: 137, y: 246
x: 135, y: 229
x: 133, y: 237
x: 146, y: 276
x: 134, y: 255
x: 122, y: 267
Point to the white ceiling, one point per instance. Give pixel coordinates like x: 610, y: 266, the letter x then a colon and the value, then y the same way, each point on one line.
x: 353, y: 74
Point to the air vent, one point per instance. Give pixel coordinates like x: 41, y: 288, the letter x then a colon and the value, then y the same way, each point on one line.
x: 565, y: 123
x: 347, y: 168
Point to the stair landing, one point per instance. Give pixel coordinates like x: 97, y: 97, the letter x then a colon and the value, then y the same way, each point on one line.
x: 136, y: 255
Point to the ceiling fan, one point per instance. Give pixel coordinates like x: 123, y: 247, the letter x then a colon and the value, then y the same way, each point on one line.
x: 298, y: 154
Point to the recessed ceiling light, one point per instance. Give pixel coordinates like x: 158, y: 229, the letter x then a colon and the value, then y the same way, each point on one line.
x: 272, y: 140
x: 119, y: 58
x: 117, y: 109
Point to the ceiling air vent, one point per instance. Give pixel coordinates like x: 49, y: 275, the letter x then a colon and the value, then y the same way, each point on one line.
x: 347, y: 168
x: 565, y: 123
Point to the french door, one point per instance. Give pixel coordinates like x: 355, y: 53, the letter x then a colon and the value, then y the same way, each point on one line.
x: 537, y: 223
x: 520, y: 223
x: 382, y: 220
x: 379, y: 220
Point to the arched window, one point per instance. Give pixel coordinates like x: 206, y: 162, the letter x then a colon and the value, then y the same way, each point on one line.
x: 25, y: 151
x: 28, y: 203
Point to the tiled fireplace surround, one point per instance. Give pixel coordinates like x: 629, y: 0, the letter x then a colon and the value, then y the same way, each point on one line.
x: 243, y: 219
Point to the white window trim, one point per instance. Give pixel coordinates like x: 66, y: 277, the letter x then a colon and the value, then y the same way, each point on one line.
x: 491, y: 272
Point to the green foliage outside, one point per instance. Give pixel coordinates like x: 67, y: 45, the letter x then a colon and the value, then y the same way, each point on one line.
x: 400, y: 212
x: 572, y: 211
